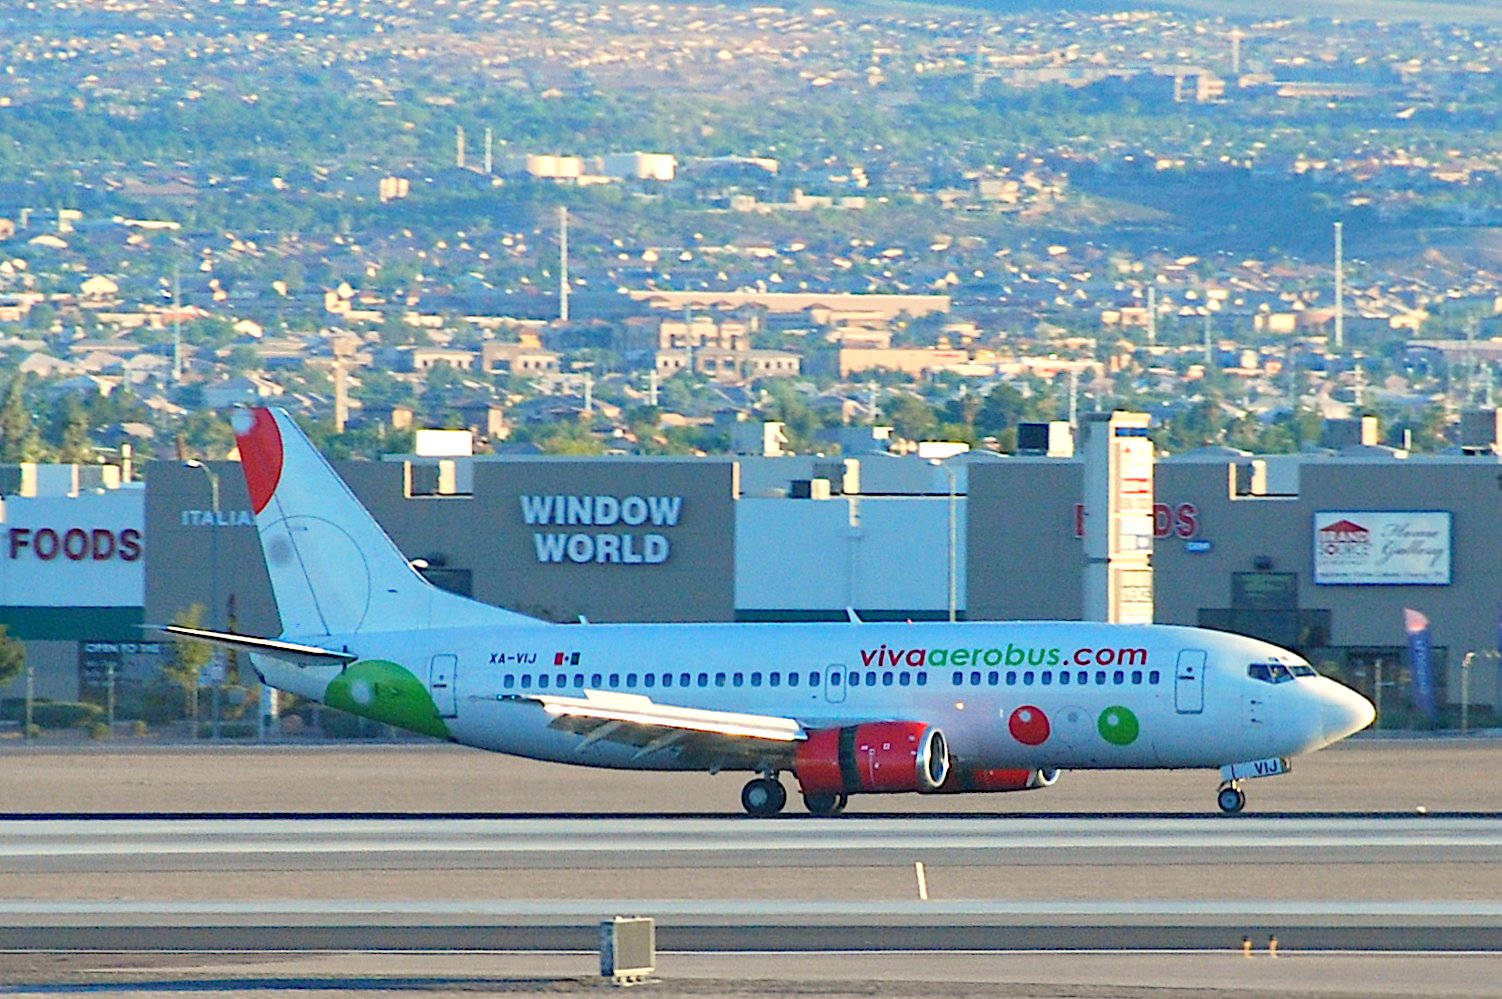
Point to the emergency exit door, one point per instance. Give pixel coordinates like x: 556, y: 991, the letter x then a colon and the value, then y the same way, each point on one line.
x: 1189, y: 682
x: 442, y: 677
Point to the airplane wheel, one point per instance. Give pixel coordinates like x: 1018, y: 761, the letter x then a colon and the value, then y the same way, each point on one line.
x: 763, y: 796
x: 1231, y: 800
x: 825, y: 804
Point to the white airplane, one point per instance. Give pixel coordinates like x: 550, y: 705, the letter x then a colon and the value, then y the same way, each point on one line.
x: 845, y: 708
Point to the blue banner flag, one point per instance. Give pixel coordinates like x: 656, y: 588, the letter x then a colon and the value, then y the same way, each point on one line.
x: 1420, y: 661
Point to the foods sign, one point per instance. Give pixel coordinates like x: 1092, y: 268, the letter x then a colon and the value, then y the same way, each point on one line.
x: 1382, y: 547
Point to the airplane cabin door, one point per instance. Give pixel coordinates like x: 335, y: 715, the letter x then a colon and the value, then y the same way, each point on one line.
x: 834, y: 683
x: 1189, y: 682
x: 443, y: 676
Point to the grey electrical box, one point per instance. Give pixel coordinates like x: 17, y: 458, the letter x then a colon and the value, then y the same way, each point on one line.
x: 628, y: 948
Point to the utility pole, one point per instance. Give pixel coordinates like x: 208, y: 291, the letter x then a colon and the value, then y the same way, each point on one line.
x: 177, y: 328
x: 489, y: 159
x: 31, y: 682
x: 459, y: 146
x: 563, y: 263
x: 1152, y: 315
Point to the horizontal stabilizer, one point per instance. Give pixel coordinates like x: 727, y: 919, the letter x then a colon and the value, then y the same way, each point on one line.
x: 293, y: 652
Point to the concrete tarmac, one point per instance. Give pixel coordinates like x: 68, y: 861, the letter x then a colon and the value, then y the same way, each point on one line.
x: 303, y: 862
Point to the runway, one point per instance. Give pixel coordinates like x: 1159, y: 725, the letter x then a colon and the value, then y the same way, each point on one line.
x: 413, y: 868
x: 743, y: 884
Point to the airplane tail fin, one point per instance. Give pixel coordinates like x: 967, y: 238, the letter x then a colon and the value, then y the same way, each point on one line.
x: 333, y: 570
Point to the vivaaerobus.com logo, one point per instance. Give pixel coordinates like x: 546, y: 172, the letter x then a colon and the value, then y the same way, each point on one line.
x: 1004, y: 655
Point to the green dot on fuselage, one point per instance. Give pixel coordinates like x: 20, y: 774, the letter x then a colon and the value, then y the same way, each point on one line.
x: 1117, y: 725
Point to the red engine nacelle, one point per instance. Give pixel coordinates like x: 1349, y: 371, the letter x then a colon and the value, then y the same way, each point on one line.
x: 961, y: 780
x: 880, y: 756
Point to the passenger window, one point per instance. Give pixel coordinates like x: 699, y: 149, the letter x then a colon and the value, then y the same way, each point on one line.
x: 542, y: 681
x: 596, y: 680
x: 526, y: 680
x: 1082, y: 678
x: 793, y: 678
x: 561, y: 680
x: 904, y: 678
x: 975, y: 678
x: 774, y: 679
x: 1100, y: 677
x: 1011, y: 678
x: 813, y: 679
x: 959, y: 678
x: 1118, y: 677
x: 648, y: 679
x: 887, y: 679
x: 756, y: 679
x: 615, y: 679
x: 855, y: 679
x: 1027, y: 678
x: 578, y: 679
x: 719, y: 679
x: 703, y: 679
x: 1154, y: 676
x: 871, y: 679
x: 1136, y: 676
x: 923, y: 679
x: 667, y: 679
x: 1046, y: 677
x: 684, y: 679
x: 993, y: 678
x: 738, y: 679
x: 1063, y: 678
x: 508, y: 681
x: 631, y: 679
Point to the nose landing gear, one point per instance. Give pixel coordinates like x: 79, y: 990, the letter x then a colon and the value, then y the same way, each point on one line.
x: 1231, y: 797
x: 763, y: 796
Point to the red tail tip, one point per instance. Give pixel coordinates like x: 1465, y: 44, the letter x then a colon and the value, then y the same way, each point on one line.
x: 260, y: 443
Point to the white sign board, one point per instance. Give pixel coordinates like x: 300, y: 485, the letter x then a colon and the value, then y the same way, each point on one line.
x: 1382, y: 547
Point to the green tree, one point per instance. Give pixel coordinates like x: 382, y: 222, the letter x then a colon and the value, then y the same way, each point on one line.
x: 189, y: 658
x: 74, y: 444
x: 18, y: 435
x: 12, y: 656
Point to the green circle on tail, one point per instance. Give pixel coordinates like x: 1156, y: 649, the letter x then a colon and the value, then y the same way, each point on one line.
x: 1117, y: 725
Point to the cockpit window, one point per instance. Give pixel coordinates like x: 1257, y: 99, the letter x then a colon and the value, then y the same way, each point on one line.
x: 1270, y: 672
x: 1303, y: 669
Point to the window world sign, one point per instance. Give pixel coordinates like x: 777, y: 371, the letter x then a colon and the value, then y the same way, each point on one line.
x: 1382, y: 547
x: 632, y: 534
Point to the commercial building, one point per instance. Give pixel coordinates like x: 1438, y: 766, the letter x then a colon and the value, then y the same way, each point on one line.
x: 1317, y: 552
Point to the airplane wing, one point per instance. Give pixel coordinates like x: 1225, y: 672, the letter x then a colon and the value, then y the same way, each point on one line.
x: 293, y: 652
x: 714, y: 738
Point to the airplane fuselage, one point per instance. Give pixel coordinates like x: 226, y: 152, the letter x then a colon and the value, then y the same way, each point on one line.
x: 1005, y: 695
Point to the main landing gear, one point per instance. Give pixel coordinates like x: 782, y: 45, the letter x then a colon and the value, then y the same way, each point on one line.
x: 763, y: 796
x: 825, y: 804
x: 1231, y: 797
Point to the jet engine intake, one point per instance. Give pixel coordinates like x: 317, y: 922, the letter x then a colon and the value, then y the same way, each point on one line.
x: 875, y: 757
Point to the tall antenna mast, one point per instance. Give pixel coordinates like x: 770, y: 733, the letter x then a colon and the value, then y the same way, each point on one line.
x: 459, y: 146
x: 489, y: 159
x: 1340, y: 290
x: 563, y: 263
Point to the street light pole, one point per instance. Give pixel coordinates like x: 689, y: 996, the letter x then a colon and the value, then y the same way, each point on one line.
x: 212, y: 622
x: 953, y: 533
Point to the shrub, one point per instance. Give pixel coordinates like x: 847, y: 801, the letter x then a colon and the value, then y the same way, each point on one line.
x: 64, y: 714
x: 99, y: 730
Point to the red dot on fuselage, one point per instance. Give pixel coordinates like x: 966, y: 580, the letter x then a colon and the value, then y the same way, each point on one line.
x: 1028, y: 725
